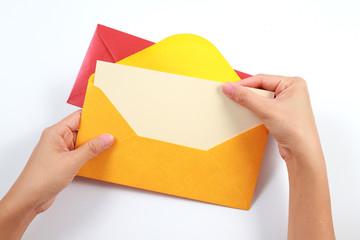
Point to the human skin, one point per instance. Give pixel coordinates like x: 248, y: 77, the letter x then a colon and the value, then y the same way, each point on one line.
x: 290, y: 119
x: 50, y: 168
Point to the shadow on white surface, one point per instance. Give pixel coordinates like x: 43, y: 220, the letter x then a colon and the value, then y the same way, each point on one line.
x: 89, y: 205
x: 267, y: 169
x: 72, y: 213
x: 94, y: 208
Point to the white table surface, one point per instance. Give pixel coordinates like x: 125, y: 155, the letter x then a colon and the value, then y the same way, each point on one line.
x: 42, y: 46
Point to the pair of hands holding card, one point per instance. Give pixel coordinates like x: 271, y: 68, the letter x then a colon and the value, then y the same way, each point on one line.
x: 228, y: 167
x: 289, y: 118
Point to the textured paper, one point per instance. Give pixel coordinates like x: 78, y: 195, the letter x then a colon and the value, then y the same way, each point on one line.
x: 173, y: 108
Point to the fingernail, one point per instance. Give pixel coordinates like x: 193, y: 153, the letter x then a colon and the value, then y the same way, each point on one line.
x: 228, y: 89
x: 106, y: 140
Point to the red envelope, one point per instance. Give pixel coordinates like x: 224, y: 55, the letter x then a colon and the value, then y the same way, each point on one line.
x: 108, y: 45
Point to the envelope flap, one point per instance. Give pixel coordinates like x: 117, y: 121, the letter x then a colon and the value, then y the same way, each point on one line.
x: 184, y: 54
x: 240, y: 158
x: 100, y: 116
x: 96, y: 51
x: 121, y: 44
x: 242, y: 75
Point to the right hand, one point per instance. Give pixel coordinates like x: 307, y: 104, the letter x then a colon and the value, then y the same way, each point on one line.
x: 288, y: 116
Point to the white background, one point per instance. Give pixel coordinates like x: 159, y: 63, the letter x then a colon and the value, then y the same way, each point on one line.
x: 43, y: 43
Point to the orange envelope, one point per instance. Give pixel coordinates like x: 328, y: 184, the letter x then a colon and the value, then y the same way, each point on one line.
x: 174, y: 133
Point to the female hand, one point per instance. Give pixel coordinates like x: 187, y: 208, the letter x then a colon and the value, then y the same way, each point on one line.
x: 288, y: 116
x: 51, y: 167
x: 290, y: 119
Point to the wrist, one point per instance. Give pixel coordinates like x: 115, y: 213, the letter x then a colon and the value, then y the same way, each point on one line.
x: 12, y: 206
x: 308, y: 163
x: 15, y: 217
x: 302, y: 146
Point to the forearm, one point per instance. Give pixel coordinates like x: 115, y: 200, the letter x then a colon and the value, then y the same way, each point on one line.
x: 15, y: 217
x: 309, y: 204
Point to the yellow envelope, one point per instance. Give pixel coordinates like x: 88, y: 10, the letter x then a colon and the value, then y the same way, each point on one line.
x: 184, y: 54
x: 174, y: 134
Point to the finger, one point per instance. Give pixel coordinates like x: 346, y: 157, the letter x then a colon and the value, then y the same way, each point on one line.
x: 263, y: 81
x: 72, y: 121
x: 247, y: 98
x: 75, y: 133
x: 92, y: 148
x: 71, y: 144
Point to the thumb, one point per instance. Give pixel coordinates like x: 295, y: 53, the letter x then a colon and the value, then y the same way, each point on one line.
x: 247, y: 98
x: 92, y: 148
